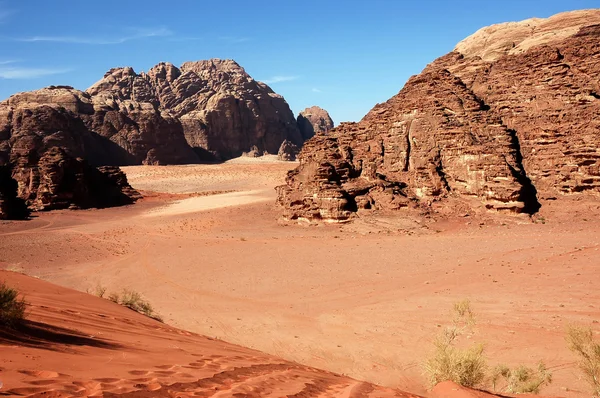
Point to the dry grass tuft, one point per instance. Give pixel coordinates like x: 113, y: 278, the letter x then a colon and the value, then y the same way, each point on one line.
x: 136, y: 302
x: 581, y: 341
x: 12, y: 309
x: 522, y: 379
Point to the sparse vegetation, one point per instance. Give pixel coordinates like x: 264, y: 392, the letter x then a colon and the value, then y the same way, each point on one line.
x: 581, y: 341
x: 521, y: 379
x: 467, y: 366
x: 99, y: 291
x: 12, y: 309
x: 136, y: 302
x: 464, y: 313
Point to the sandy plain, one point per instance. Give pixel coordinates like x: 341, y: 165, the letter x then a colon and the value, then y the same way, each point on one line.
x: 365, y: 299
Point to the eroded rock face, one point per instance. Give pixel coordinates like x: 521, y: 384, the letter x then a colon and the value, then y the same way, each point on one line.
x: 314, y: 120
x: 60, y: 181
x: 509, y: 129
x: 213, y: 109
x: 288, y: 151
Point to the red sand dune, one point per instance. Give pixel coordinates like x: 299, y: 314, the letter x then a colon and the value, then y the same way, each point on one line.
x: 75, y: 344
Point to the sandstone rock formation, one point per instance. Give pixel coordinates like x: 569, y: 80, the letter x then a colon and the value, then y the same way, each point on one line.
x: 314, y: 120
x: 288, y: 151
x: 203, y: 111
x: 212, y: 109
x: 508, y: 125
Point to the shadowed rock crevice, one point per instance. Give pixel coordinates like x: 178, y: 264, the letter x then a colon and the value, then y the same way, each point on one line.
x: 527, y: 193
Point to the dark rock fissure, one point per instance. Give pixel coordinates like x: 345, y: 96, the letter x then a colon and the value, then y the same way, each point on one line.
x: 528, y: 192
x: 439, y: 169
x: 408, y: 148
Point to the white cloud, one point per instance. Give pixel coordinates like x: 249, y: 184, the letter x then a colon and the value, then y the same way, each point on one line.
x: 136, y: 34
x: 8, y: 62
x: 14, y: 72
x: 316, y: 90
x: 280, y: 79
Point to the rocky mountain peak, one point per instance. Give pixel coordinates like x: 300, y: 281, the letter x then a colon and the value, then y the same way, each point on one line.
x: 492, y: 42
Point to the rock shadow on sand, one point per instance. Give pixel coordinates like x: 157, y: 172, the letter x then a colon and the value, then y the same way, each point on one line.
x: 49, y: 337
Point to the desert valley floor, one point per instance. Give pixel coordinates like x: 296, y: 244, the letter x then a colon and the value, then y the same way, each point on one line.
x: 363, y: 299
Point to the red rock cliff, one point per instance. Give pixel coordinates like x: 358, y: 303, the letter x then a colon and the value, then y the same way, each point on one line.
x: 509, y: 118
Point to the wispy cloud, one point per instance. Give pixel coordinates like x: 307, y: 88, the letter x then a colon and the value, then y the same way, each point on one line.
x: 280, y: 79
x: 232, y: 39
x: 133, y: 34
x: 16, y: 72
x: 316, y: 90
x: 8, y: 62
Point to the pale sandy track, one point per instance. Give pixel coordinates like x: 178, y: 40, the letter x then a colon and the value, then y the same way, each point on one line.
x: 211, y: 202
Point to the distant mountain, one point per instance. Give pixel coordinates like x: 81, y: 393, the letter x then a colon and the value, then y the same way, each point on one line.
x: 203, y: 111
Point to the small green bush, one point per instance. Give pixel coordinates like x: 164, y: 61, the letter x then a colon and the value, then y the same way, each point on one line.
x: 522, y: 379
x: 466, y: 367
x: 136, y: 302
x: 581, y: 341
x: 12, y: 309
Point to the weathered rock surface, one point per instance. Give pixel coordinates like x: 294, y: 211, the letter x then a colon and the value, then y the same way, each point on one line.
x: 314, y: 120
x: 288, y: 151
x: 505, y: 127
x: 203, y: 111
x: 59, y: 181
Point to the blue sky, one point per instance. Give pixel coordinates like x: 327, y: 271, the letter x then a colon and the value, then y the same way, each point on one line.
x: 342, y: 55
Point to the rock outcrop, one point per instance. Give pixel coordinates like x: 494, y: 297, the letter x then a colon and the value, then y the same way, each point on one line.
x: 508, y: 126
x: 52, y: 139
x: 314, y: 120
x: 288, y: 151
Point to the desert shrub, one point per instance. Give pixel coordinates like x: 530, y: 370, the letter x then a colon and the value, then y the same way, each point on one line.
x: 136, y: 302
x: 464, y: 366
x: 12, y: 309
x: 581, y: 341
x: 463, y: 313
x: 114, y: 297
x: 522, y: 379
x: 98, y: 291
